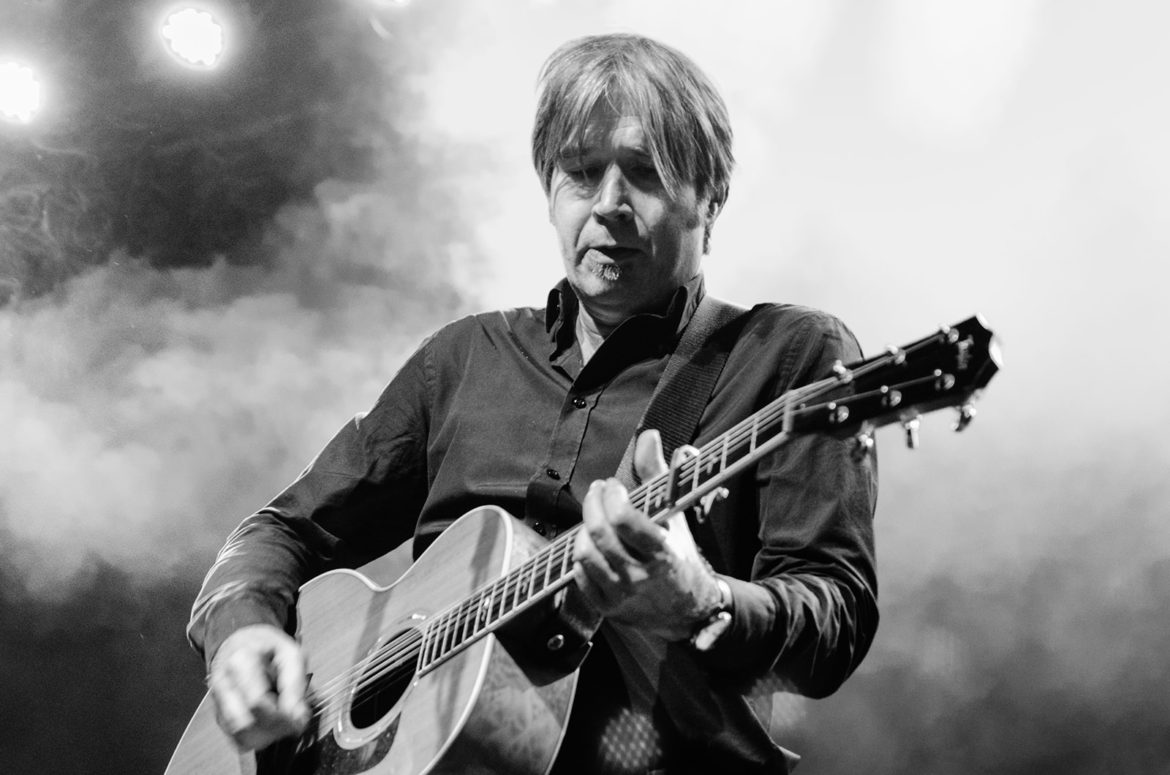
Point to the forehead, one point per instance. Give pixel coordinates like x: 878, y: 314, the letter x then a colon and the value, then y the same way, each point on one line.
x: 607, y: 131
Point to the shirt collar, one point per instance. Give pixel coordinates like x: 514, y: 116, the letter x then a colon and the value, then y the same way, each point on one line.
x: 561, y: 313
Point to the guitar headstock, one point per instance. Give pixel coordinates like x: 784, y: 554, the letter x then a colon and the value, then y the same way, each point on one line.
x: 947, y: 368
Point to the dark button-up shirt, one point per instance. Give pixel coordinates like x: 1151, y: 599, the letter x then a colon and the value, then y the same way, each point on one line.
x: 499, y: 408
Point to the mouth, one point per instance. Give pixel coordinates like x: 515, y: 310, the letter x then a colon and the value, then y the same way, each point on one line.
x: 614, y: 253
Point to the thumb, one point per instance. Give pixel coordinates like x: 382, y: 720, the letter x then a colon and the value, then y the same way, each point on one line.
x: 648, y: 459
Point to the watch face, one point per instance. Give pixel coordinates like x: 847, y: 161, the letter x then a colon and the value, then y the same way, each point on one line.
x: 706, y: 638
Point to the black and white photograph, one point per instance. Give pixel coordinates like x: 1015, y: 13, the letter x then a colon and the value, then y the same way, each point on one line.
x: 405, y: 387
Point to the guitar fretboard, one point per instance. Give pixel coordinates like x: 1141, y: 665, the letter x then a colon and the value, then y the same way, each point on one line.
x: 550, y: 569
x: 943, y: 369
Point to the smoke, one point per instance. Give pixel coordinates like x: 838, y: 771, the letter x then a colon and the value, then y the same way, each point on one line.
x: 151, y: 401
x: 239, y: 274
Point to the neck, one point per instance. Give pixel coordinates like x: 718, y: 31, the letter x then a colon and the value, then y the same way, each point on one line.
x: 590, y: 334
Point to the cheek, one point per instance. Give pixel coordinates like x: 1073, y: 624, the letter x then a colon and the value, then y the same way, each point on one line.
x: 568, y: 217
x: 675, y: 223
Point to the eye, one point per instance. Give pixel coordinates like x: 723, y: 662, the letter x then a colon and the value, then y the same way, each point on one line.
x: 585, y: 173
x: 643, y: 173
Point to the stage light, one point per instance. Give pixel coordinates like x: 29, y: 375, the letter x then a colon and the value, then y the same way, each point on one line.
x: 20, y: 93
x: 194, y: 37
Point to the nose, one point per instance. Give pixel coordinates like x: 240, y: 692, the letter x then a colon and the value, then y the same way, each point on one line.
x: 612, y: 202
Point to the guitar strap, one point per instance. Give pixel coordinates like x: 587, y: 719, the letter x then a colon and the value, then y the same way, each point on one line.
x: 674, y: 409
x: 686, y: 384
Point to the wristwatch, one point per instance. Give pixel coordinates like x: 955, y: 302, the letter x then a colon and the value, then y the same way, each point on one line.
x: 707, y: 634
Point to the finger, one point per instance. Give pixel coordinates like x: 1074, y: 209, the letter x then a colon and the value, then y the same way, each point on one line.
x: 682, y: 454
x: 234, y: 716
x: 648, y: 459
x: 288, y: 664
x: 621, y: 519
x: 249, y: 674
x: 597, y: 512
x: 586, y: 553
x: 639, y: 538
x: 590, y: 589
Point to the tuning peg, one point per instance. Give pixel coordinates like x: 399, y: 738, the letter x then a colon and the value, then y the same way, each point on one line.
x: 862, y: 444
x: 910, y: 425
x: 966, y: 415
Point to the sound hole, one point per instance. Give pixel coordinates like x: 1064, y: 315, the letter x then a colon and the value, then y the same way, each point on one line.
x: 386, y: 677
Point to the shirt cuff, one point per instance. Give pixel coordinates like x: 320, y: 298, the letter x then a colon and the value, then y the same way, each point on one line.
x: 223, y: 617
x: 753, y: 611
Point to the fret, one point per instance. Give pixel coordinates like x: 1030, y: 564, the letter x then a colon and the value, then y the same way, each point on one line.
x: 496, y: 606
x: 755, y: 432
x: 436, y: 638
x: 484, y: 611
x: 566, y: 561
x: 456, y: 623
x: 524, y: 584
x: 548, y: 555
x: 435, y: 635
x: 510, y: 588
x: 468, y: 619
x: 451, y: 639
x: 427, y: 645
x: 725, y: 445
x: 448, y: 635
x: 531, y: 580
x: 518, y: 591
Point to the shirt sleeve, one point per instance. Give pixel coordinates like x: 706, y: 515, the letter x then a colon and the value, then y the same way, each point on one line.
x: 357, y: 500
x: 807, y: 612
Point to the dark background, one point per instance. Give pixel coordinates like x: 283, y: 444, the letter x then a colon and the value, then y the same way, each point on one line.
x: 203, y: 274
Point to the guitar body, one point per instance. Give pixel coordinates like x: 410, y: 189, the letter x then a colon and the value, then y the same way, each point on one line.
x: 480, y: 711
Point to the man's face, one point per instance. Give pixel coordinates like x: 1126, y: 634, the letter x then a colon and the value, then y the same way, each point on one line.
x: 626, y: 243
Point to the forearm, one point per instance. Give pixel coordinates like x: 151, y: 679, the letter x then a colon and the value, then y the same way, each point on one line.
x: 807, y: 609
x: 254, y: 581
x: 809, y: 630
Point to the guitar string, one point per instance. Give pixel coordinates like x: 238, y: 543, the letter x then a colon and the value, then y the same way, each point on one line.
x: 465, y: 622
x: 420, y: 636
x: 450, y: 621
x: 402, y: 656
x: 467, y: 615
x: 447, y: 623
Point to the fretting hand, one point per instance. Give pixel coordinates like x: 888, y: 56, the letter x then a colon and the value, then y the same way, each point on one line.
x: 634, y: 571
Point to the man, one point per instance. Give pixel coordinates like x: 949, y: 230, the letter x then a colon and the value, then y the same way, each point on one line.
x: 531, y: 409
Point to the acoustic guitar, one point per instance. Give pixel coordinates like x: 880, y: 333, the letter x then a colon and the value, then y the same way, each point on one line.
x: 412, y: 678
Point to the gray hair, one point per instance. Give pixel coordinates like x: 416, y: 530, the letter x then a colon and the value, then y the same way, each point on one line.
x: 682, y: 114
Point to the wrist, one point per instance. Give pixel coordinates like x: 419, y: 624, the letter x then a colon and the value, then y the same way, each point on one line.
x: 712, y: 627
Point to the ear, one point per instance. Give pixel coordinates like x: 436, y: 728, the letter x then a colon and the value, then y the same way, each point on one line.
x: 714, y: 207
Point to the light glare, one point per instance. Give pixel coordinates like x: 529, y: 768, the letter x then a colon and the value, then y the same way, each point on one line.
x: 194, y: 36
x: 20, y: 93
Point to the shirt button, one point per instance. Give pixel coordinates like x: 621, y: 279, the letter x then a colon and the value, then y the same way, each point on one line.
x: 538, y: 526
x: 579, y: 402
x: 553, y: 473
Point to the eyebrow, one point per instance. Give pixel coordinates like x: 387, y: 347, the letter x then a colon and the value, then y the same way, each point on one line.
x: 578, y: 152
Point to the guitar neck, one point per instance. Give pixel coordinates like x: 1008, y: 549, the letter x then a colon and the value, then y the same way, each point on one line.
x: 550, y: 569
x: 943, y: 369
